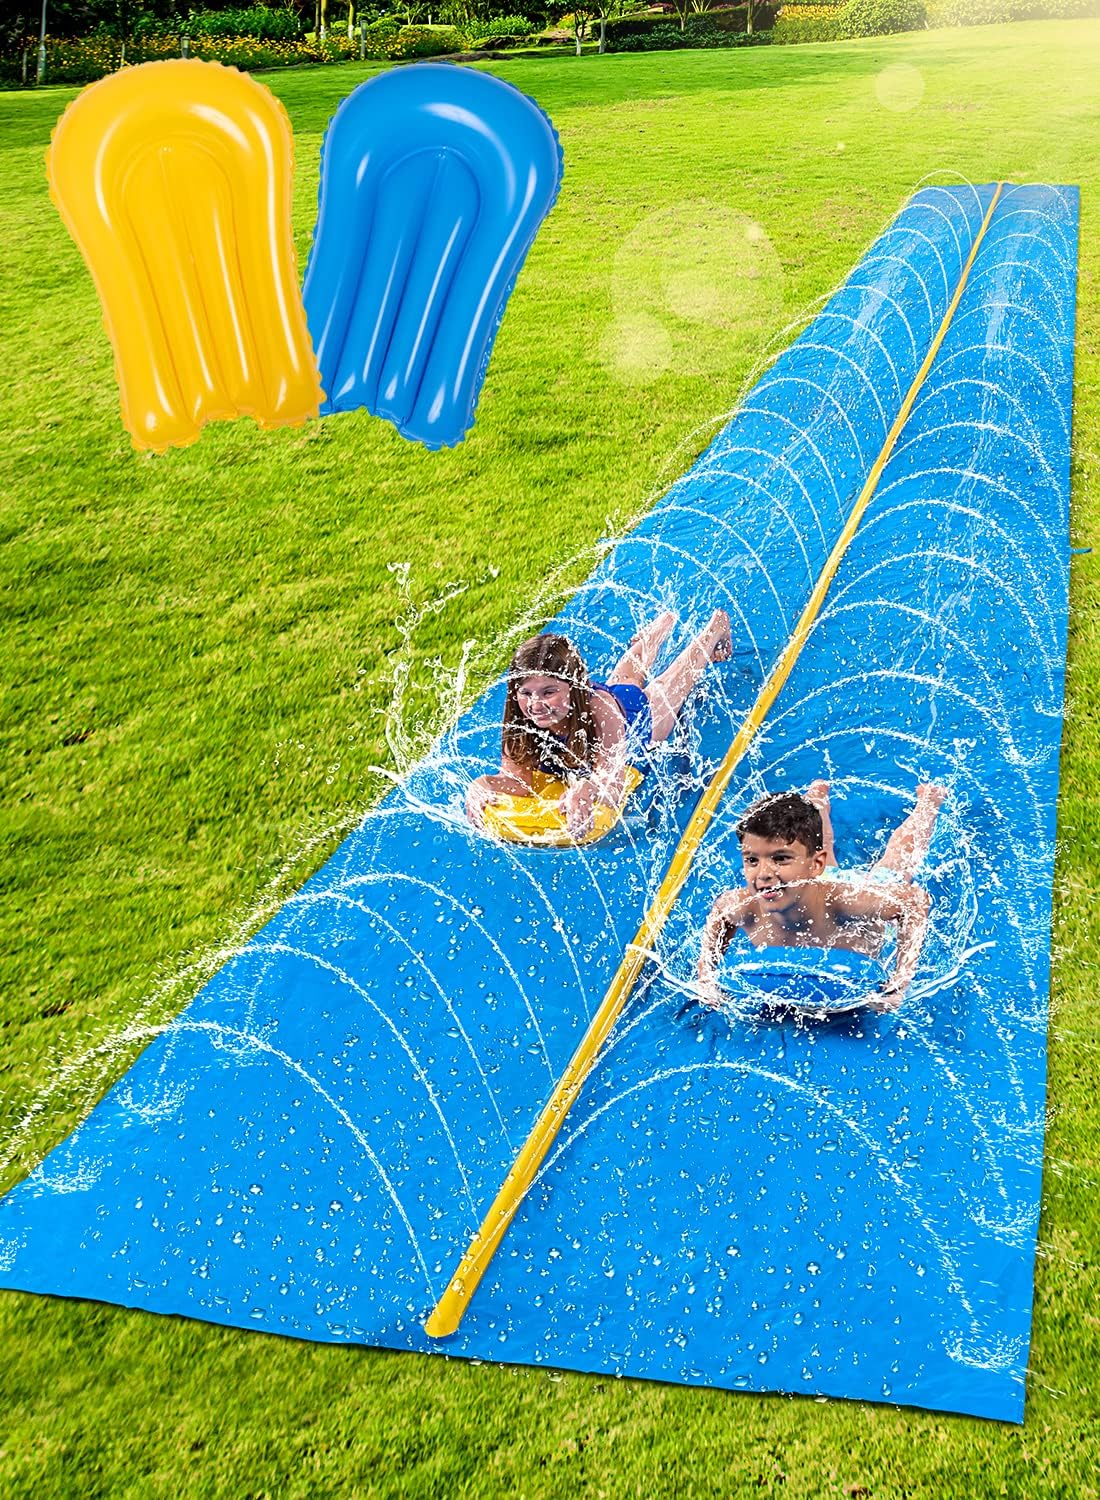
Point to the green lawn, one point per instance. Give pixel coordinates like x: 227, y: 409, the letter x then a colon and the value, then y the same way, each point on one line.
x: 202, y: 654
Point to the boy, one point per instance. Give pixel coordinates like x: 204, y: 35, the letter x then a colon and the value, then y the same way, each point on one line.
x: 786, y: 848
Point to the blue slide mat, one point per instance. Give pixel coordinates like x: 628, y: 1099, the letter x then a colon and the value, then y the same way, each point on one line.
x: 845, y: 1208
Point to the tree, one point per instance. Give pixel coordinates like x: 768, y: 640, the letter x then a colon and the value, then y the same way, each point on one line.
x: 584, y: 12
x: 610, y: 10
x: 683, y: 9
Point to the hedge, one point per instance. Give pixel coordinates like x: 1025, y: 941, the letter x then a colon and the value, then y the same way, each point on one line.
x: 85, y: 59
x: 994, y: 12
x: 730, y: 18
x: 497, y: 29
x: 260, y: 21
x: 855, y: 19
x: 699, y: 32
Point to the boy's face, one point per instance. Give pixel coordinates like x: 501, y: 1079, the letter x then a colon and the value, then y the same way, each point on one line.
x: 778, y: 873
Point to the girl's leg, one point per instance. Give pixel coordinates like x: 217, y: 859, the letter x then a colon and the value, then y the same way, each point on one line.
x: 635, y: 666
x: 667, y: 693
x: 908, y: 846
x: 818, y: 793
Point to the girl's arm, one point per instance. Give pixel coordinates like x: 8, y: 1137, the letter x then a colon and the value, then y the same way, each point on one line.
x: 610, y: 760
x: 513, y: 781
x: 608, y: 777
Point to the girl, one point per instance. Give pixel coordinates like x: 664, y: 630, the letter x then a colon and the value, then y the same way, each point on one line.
x: 559, y: 723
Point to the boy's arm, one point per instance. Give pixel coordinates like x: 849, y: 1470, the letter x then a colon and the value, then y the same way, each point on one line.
x: 725, y: 917
x: 907, y: 906
x: 912, y: 921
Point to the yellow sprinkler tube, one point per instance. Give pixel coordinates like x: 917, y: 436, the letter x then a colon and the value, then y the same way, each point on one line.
x: 174, y: 179
x: 539, y: 819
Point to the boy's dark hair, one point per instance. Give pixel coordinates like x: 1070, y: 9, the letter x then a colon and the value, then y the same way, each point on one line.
x: 787, y: 816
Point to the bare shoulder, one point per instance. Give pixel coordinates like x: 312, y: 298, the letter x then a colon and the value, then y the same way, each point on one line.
x: 731, y: 906
x: 857, y: 899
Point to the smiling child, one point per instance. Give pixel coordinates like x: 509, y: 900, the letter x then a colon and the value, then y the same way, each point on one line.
x: 559, y: 723
x: 795, y: 897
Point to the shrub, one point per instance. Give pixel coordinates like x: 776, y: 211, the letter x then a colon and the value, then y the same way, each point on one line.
x: 729, y: 18
x: 801, y: 28
x: 819, y: 23
x: 424, y: 41
x: 389, y: 39
x: 699, y: 32
x: 260, y: 21
x: 992, y: 12
x: 881, y: 17
x: 384, y: 26
x: 496, y: 29
x: 88, y: 58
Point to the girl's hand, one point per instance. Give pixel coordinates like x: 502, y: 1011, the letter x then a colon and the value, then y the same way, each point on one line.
x: 578, y: 807
x: 478, y: 798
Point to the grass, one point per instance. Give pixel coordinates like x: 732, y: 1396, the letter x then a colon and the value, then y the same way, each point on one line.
x: 201, y: 655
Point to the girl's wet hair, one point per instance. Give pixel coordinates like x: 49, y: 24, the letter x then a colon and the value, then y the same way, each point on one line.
x: 572, y: 748
x: 786, y: 816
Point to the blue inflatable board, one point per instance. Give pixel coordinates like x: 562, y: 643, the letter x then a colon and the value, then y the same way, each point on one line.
x: 817, y: 983
x: 434, y: 182
x: 846, y: 1209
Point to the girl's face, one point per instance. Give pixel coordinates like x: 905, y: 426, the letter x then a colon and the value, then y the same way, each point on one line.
x: 543, y: 700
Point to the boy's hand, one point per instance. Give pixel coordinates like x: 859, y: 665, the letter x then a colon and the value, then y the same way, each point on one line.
x: 886, y: 998
x: 710, y: 994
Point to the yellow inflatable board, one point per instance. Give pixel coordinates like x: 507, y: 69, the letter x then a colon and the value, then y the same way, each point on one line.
x: 539, y: 820
x: 174, y: 179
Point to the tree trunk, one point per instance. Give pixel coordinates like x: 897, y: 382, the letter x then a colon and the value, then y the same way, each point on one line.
x: 603, y: 35
x: 748, y: 18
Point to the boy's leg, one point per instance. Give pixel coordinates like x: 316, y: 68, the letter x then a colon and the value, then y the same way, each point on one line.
x: 908, y: 846
x: 634, y: 667
x: 666, y: 693
x: 818, y: 793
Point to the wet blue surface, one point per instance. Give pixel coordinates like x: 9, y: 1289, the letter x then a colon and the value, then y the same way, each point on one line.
x: 434, y: 182
x: 847, y: 1208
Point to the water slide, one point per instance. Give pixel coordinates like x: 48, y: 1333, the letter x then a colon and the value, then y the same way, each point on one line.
x: 845, y: 1209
